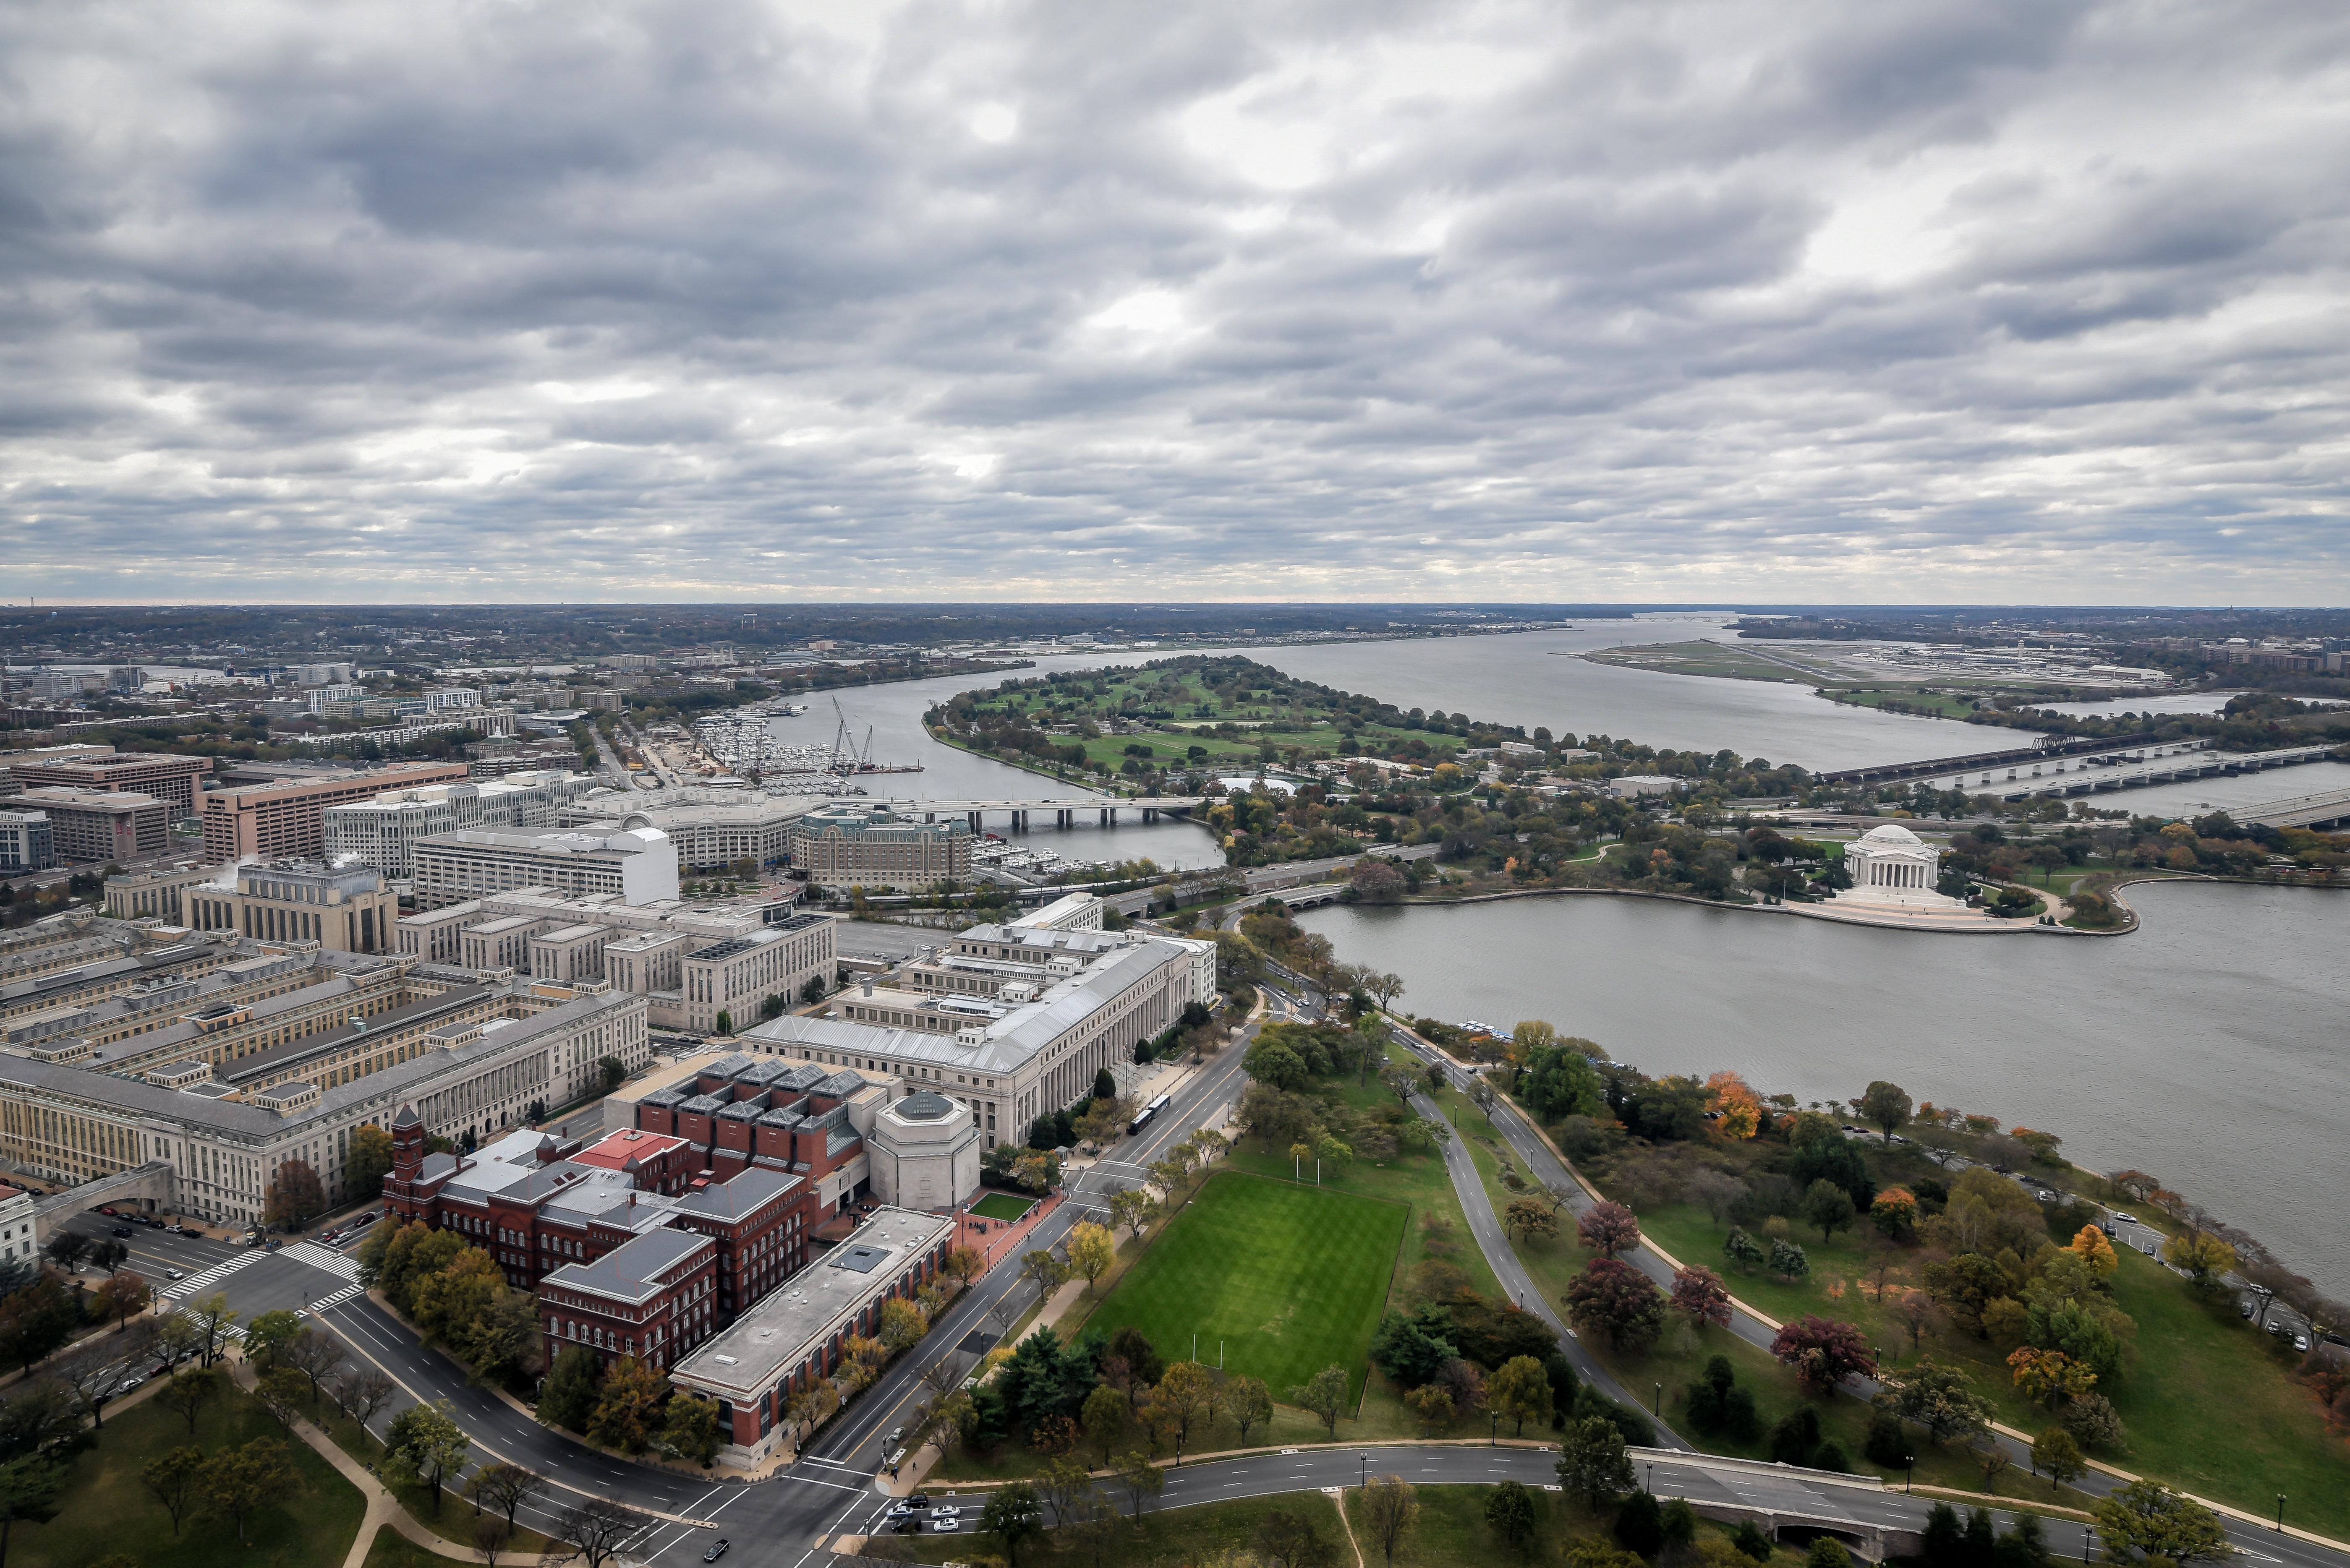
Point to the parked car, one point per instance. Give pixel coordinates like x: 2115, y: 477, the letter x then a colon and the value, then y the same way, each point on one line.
x: 717, y: 1550
x: 107, y: 1212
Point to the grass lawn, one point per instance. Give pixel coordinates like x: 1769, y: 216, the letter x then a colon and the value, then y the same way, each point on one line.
x: 1450, y: 1531
x: 1003, y: 1206
x: 454, y: 1522
x: 106, y: 1509
x: 393, y: 1550
x: 1285, y: 1279
x: 2209, y: 1402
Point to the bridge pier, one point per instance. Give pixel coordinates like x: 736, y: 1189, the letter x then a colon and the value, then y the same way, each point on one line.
x: 1149, y: 814
x: 975, y: 819
x: 1019, y: 822
x: 1061, y: 818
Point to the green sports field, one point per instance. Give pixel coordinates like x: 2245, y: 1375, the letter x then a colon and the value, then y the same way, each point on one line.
x: 1288, y: 1279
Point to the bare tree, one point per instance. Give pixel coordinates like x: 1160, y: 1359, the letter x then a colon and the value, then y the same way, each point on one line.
x: 315, y: 1354
x: 362, y: 1391
x: 491, y: 1536
x: 502, y: 1488
x: 940, y: 1375
x: 597, y: 1530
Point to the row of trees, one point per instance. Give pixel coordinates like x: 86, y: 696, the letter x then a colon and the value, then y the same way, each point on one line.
x: 457, y: 1296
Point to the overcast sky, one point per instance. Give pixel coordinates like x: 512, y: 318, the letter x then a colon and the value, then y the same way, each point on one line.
x: 1968, y: 301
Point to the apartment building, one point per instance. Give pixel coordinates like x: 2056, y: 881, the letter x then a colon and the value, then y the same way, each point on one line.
x: 27, y: 843
x: 846, y: 846
x: 347, y: 908
x: 286, y: 817
x: 175, y: 781
x: 635, y: 866
x: 89, y: 827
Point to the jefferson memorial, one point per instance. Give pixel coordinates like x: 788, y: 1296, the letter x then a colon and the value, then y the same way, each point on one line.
x: 1891, y: 859
x: 1893, y: 876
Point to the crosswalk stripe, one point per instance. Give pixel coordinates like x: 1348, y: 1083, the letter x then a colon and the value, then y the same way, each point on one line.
x: 318, y: 1257
x: 194, y: 1283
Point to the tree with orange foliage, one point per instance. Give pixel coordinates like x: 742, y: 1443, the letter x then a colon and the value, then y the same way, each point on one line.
x: 1895, y: 1212
x: 2092, y: 1249
x: 1739, y: 1108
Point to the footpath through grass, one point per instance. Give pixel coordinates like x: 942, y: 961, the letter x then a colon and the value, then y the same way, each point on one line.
x: 1281, y: 1280
x: 107, y: 1508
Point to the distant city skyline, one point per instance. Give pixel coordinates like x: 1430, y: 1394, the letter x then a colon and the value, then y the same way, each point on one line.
x: 2026, y: 303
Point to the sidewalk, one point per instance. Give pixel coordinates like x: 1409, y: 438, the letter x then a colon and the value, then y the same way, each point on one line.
x: 383, y: 1508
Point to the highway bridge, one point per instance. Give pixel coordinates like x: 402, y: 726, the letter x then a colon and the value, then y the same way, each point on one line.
x: 2202, y: 765
x: 2331, y: 809
x: 2015, y: 756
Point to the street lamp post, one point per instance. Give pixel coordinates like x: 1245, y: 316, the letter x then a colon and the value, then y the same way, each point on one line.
x: 1494, y: 1437
x: 2086, y: 1531
x: 1363, y: 1482
x: 1909, y: 1469
x: 2280, y: 1522
x: 1657, y: 1405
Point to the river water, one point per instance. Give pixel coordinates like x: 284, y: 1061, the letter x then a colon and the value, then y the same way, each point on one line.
x: 2207, y: 1047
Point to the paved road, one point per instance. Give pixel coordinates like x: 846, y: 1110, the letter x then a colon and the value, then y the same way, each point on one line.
x: 829, y: 1489
x: 1546, y: 1168
x: 1486, y: 1226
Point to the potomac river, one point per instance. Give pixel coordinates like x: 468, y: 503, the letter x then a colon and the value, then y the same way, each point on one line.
x: 2207, y: 1047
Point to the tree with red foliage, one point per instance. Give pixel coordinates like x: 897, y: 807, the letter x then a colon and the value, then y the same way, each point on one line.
x: 1617, y: 1303
x: 1698, y: 1296
x: 1823, y: 1351
x: 1607, y: 1229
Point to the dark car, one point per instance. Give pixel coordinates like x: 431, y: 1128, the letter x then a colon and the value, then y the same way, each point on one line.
x: 717, y: 1550
x: 122, y: 1229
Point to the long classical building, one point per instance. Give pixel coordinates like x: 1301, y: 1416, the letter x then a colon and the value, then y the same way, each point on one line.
x: 240, y: 1091
x: 349, y: 908
x: 694, y: 962
x: 1010, y: 1022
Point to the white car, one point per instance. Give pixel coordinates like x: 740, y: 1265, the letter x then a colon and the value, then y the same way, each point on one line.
x: 174, y: 1275
x: 944, y: 1526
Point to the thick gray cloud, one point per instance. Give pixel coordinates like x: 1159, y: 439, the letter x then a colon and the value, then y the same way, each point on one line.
x: 1967, y: 300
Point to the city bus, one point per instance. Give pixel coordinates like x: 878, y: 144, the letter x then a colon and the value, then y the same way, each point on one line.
x: 1149, y: 1111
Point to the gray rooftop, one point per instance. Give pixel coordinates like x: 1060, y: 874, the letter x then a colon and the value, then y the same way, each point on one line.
x: 627, y: 1271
